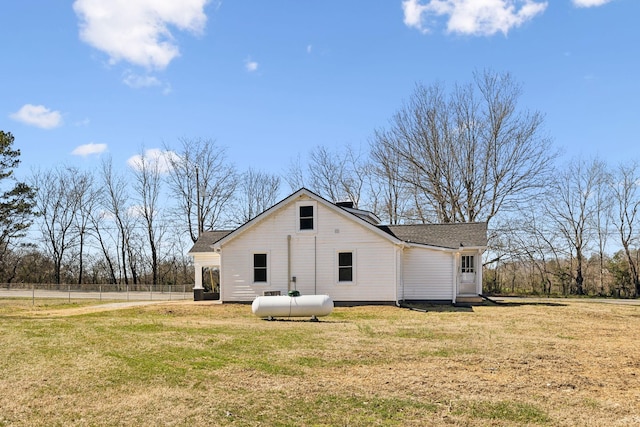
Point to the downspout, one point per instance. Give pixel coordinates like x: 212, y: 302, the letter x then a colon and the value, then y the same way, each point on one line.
x: 220, y: 278
x: 399, y: 273
x: 402, y: 248
x: 315, y: 265
x: 456, y: 277
x: 395, y: 273
x: 479, y: 289
x: 288, y: 262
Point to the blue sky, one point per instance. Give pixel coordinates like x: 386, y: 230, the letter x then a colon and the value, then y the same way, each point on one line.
x: 271, y: 80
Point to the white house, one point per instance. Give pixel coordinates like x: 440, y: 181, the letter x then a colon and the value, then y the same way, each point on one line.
x: 311, y: 245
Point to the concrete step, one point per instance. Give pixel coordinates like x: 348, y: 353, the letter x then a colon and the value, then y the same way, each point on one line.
x: 469, y: 299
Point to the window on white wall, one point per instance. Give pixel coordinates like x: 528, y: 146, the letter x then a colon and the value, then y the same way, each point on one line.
x: 260, y: 268
x: 467, y: 264
x: 345, y: 266
x: 306, y: 217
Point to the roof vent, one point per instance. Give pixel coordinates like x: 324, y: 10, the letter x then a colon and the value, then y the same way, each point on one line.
x: 345, y: 204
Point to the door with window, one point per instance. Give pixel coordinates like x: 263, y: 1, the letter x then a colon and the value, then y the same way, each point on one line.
x: 467, y: 274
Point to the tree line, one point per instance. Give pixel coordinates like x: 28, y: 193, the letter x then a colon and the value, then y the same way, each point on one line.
x: 449, y: 154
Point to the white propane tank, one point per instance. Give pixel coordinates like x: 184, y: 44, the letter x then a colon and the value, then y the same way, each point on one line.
x: 286, y: 306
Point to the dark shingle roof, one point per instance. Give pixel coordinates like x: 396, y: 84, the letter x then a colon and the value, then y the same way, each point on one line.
x: 453, y: 236
x: 208, y: 238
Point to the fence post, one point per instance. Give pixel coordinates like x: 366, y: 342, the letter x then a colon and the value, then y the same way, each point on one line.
x: 127, y: 292
x: 69, y: 290
x: 33, y: 294
x: 100, y: 292
x: 151, y: 292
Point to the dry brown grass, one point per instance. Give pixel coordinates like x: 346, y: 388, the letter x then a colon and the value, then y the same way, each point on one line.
x: 184, y: 364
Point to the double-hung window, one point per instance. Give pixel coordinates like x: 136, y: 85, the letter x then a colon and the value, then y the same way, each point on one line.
x: 345, y: 266
x: 260, y: 268
x: 306, y: 217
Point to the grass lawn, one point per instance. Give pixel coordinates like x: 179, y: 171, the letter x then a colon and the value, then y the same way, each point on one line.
x: 191, y: 364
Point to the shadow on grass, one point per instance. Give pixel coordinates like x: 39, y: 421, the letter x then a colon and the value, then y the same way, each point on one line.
x: 469, y: 307
x: 517, y: 304
x: 300, y: 320
x: 440, y: 308
x: 493, y: 302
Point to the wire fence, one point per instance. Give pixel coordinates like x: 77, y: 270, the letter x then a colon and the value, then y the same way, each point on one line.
x: 97, y: 292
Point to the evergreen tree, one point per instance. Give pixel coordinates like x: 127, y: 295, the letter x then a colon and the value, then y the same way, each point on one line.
x: 16, y: 198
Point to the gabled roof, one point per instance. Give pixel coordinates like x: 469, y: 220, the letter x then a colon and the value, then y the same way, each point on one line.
x: 447, y: 236
x: 208, y: 238
x: 452, y: 236
x: 295, y: 196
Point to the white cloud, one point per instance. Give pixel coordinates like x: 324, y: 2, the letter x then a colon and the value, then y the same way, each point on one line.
x: 38, y: 115
x: 153, y: 157
x: 137, y: 31
x: 89, y: 149
x: 413, y: 11
x: 589, y: 3
x: 309, y: 48
x: 250, y: 65
x: 138, y: 81
x: 135, y: 211
x: 471, y: 17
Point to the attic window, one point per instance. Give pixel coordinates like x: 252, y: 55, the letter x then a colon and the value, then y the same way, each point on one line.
x: 306, y: 217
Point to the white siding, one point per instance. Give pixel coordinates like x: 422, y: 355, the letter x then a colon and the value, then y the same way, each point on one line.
x: 206, y: 258
x: 313, y: 258
x: 428, y: 275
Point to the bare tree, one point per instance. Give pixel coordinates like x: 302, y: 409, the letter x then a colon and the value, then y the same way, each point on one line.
x: 571, y: 205
x: 202, y: 182
x: 294, y: 174
x: 87, y: 196
x: 602, y: 221
x: 147, y: 185
x: 258, y: 191
x: 626, y: 194
x: 325, y: 173
x: 99, y: 228
x: 57, y: 202
x: 335, y: 175
x: 472, y: 153
x: 115, y: 202
x: 389, y: 193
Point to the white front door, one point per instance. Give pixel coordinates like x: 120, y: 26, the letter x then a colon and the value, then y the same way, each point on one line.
x: 467, y: 275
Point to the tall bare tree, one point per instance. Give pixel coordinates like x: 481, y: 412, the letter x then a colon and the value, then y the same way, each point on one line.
x: 333, y: 174
x: 390, y: 196
x: 294, y: 174
x: 57, y: 202
x: 88, y: 197
x: 147, y: 170
x: 202, y: 182
x: 602, y: 221
x: 116, y: 204
x: 258, y: 191
x: 626, y: 219
x: 572, y: 207
x: 471, y: 153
